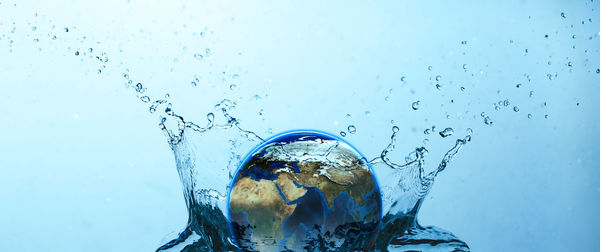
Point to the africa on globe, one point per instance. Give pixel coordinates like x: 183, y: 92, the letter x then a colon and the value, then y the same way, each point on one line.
x: 304, y: 190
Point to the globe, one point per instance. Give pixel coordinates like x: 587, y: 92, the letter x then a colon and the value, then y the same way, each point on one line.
x: 304, y: 190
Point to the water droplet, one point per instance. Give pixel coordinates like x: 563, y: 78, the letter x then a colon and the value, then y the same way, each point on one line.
x: 167, y: 95
x: 462, y: 88
x: 487, y: 120
x: 343, y: 134
x: 53, y: 37
x: 90, y: 50
x: 403, y: 78
x: 352, y: 129
x: 33, y: 28
x: 464, y: 42
x: 145, y: 98
x: 36, y: 40
x: 168, y: 109
x: 210, y: 117
x: 518, y: 85
x: 395, y: 129
x: 66, y: 29
x: 562, y: 14
x: 446, y: 132
x: 426, y: 141
x: 207, y: 51
x: 427, y: 131
x: 415, y: 105
x: 194, y: 83
x: 598, y: 71
x: 433, y: 128
x: 569, y: 64
x: 506, y: 103
x: 232, y: 87
x: 546, y: 116
x: 367, y: 113
x: 529, y: 116
x: 235, y: 76
x: 465, y: 67
x: 429, y: 68
x: 516, y: 109
x: 438, y: 78
x: 469, y: 131
x: 438, y: 86
x: 482, y: 114
x: 530, y: 94
x: 348, y: 116
x: 138, y: 87
x: 198, y: 56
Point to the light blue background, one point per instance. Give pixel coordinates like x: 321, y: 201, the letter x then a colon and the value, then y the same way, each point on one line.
x: 86, y: 168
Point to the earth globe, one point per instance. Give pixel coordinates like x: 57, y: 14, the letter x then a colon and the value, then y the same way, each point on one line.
x: 304, y: 190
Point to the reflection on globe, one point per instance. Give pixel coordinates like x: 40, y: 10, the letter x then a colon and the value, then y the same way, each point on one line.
x: 304, y: 190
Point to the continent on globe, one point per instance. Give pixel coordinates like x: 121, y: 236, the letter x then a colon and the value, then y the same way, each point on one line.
x: 304, y: 190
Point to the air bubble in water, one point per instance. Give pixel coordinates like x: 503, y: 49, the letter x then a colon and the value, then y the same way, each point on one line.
x: 469, y: 131
x: 446, y: 132
x: 198, y: 56
x: 562, y: 14
x: 427, y: 131
x: 529, y: 116
x: 395, y: 129
x: 210, y: 117
x: 403, y: 78
x: 438, y: 78
x: 66, y: 29
x: 352, y: 129
x: 598, y: 71
x: 232, y: 87
x: 519, y: 85
x: 506, y: 103
x: 516, y: 109
x: 465, y: 67
x: 415, y: 105
x: 343, y: 134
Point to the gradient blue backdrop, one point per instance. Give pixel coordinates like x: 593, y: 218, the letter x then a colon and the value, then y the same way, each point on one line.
x: 84, y: 166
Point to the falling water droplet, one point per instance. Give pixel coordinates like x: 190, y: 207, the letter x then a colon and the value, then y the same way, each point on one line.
x: 352, y: 129
x: 415, y: 105
x: 446, y: 132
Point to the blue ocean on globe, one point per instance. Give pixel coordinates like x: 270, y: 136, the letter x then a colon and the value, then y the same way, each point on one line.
x: 304, y: 190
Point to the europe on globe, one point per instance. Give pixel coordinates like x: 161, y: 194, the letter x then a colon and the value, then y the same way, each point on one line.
x: 304, y: 190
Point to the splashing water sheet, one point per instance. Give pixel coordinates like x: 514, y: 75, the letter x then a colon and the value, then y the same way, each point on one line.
x: 110, y: 109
